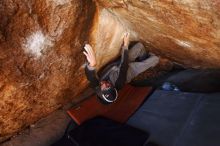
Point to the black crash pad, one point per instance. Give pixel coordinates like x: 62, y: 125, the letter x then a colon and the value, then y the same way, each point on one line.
x: 180, y: 118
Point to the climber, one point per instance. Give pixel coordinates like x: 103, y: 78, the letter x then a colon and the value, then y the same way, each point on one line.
x: 133, y: 61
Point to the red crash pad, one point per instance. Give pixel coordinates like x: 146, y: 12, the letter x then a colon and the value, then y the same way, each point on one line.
x: 129, y: 99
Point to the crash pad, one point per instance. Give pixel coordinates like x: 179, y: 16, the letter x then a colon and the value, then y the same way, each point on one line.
x: 129, y: 99
x: 180, y: 118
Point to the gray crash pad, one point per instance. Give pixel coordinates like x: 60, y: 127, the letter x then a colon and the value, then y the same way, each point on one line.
x: 180, y: 118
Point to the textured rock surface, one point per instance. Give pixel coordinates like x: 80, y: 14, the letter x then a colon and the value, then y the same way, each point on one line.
x: 40, y: 57
x: 185, y: 31
x: 41, y: 46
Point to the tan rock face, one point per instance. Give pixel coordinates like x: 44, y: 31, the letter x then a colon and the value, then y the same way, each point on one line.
x: 40, y: 58
x: 41, y: 45
x: 186, y: 31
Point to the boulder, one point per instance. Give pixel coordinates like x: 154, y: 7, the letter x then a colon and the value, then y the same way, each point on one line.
x: 41, y: 59
x: 41, y: 44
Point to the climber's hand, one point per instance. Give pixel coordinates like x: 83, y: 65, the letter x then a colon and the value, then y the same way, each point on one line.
x: 90, y: 55
x: 126, y: 39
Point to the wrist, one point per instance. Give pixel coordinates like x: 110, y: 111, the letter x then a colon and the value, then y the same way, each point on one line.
x: 90, y: 67
x: 126, y: 44
x: 92, y: 64
x: 125, y: 47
